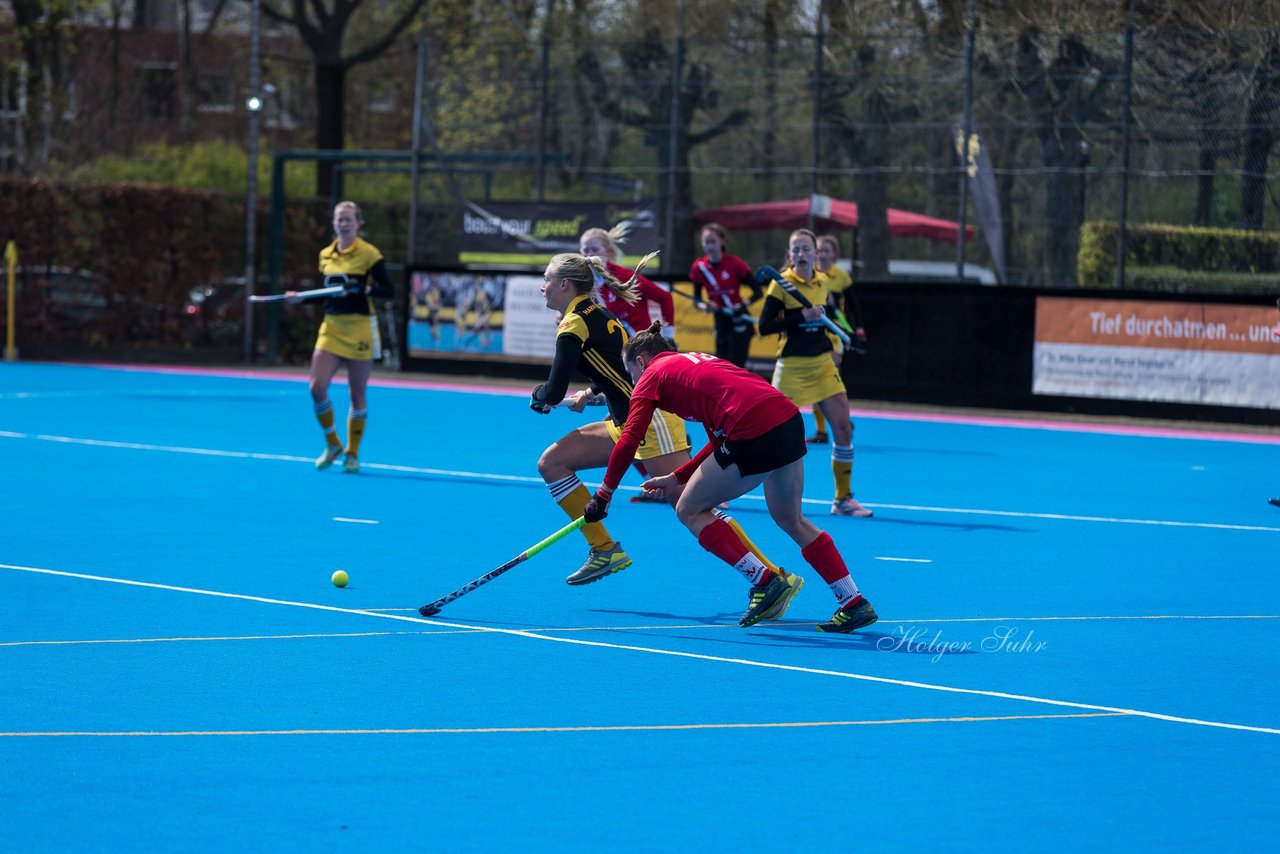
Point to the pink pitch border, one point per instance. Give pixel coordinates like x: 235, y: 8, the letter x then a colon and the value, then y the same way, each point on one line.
x: 901, y: 415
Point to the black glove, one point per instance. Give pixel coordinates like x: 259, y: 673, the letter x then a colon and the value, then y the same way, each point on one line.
x: 538, y: 405
x: 597, y: 508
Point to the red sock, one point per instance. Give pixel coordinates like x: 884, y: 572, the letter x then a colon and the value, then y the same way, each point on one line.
x: 821, y: 554
x: 723, y: 541
x: 720, y: 539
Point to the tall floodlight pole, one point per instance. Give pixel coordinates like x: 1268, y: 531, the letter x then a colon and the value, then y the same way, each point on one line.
x: 419, y: 85
x: 1122, y: 215
x: 971, y: 25
x: 673, y: 144
x: 254, y: 105
x: 817, y: 110
x: 544, y: 74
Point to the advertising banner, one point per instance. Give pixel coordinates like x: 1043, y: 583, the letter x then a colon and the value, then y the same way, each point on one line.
x: 696, y: 330
x: 504, y: 316
x: 527, y: 234
x: 496, y: 315
x: 1225, y: 355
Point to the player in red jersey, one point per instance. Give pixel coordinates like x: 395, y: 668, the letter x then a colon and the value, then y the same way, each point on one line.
x: 635, y: 316
x: 598, y: 243
x: 759, y: 440
x: 723, y: 275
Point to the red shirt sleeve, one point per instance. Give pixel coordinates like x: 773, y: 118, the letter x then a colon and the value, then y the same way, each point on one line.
x: 687, y: 469
x: 638, y: 417
x: 666, y: 304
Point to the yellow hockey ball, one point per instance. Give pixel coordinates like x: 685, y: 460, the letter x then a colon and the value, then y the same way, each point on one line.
x: 340, y: 578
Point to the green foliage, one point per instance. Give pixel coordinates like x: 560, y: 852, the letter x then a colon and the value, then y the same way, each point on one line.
x: 1173, y: 280
x: 212, y: 165
x: 1181, y: 259
x: 149, y: 246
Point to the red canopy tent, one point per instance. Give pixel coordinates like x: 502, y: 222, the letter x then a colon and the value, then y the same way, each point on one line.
x: 762, y: 216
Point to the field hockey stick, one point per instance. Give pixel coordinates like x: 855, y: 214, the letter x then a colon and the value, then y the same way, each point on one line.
x: 856, y: 346
x: 596, y: 399
x: 726, y: 309
x: 728, y: 305
x: 316, y: 292
x: 433, y: 608
x: 702, y: 304
x: 803, y: 300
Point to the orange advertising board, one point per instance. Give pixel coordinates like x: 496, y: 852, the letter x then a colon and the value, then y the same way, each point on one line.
x: 1180, y: 352
x: 1161, y: 325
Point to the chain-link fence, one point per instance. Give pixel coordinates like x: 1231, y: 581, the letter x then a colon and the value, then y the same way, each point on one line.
x: 877, y: 119
x: 771, y: 105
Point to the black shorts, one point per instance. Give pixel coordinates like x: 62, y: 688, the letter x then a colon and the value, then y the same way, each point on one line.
x: 774, y: 449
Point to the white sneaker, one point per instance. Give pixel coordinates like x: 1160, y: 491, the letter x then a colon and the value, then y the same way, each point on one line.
x: 848, y: 506
x: 331, y: 453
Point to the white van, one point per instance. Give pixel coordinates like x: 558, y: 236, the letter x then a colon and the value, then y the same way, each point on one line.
x: 931, y: 272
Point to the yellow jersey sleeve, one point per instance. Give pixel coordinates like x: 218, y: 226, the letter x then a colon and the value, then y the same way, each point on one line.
x: 574, y: 325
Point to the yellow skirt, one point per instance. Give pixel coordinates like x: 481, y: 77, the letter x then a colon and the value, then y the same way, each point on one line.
x: 665, y: 435
x: 349, y: 336
x: 807, y: 379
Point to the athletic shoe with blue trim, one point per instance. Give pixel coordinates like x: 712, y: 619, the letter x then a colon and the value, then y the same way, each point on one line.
x: 764, y: 597
x: 331, y: 453
x: 779, y: 608
x: 351, y: 465
x: 851, y: 617
x: 599, y: 564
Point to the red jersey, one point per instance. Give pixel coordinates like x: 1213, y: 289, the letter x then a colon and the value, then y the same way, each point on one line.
x: 636, y: 315
x: 732, y: 402
x: 723, y: 281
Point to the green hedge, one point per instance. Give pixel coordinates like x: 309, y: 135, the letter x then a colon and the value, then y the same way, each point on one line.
x: 1181, y: 259
x: 149, y: 246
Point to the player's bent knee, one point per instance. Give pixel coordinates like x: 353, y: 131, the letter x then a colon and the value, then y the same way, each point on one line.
x: 547, y: 464
x: 692, y: 518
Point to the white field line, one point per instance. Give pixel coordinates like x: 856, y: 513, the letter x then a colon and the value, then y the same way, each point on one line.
x: 536, y: 729
x: 504, y: 478
x: 839, y: 674
x: 652, y: 627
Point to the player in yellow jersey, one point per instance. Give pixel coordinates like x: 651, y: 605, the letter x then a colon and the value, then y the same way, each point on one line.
x: 848, y: 314
x: 348, y: 334
x: 589, y: 341
x: 804, y: 370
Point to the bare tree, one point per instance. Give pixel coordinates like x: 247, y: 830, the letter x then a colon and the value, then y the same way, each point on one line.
x: 323, y: 25
x: 1260, y: 136
x: 42, y: 42
x: 1064, y: 94
x: 642, y: 99
x: 864, y: 135
x: 191, y: 49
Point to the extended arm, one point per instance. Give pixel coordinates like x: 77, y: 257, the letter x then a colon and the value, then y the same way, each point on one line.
x: 547, y: 395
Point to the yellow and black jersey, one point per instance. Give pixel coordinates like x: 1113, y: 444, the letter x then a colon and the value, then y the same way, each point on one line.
x: 589, y: 340
x: 781, y: 315
x: 362, y: 264
x: 843, y: 295
x: 838, y: 281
